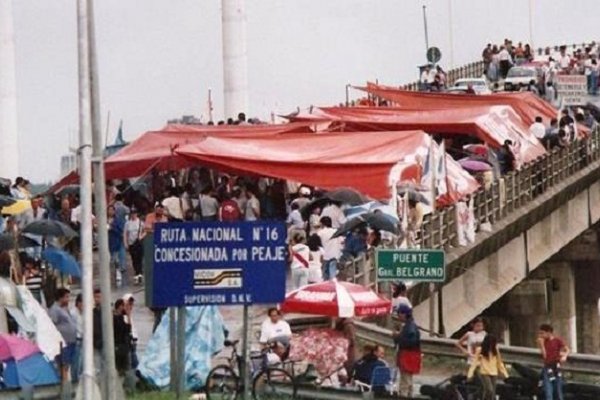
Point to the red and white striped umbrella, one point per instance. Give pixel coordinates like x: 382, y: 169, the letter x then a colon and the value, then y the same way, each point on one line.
x: 336, y: 299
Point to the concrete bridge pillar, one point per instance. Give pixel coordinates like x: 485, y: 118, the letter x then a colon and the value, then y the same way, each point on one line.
x: 547, y: 296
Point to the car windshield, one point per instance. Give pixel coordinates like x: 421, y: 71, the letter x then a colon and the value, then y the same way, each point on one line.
x: 521, y: 73
x: 467, y: 83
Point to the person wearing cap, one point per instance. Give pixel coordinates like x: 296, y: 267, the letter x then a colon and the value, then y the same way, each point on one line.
x: 399, y: 292
x: 303, y: 197
x: 132, y: 234
x: 408, y: 344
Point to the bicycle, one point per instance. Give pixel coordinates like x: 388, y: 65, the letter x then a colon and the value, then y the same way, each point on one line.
x: 268, y: 381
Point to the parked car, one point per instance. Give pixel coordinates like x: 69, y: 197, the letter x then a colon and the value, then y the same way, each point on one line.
x: 479, y: 85
x: 520, y: 76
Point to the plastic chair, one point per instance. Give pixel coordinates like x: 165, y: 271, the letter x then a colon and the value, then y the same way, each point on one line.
x: 381, y: 381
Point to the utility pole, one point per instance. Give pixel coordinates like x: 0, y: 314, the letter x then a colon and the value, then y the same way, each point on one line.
x: 451, y: 33
x: 85, y: 195
x: 9, y: 138
x: 531, y: 24
x: 425, y: 27
x: 111, y: 386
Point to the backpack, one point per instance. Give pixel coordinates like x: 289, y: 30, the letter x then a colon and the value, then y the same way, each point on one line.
x: 230, y: 211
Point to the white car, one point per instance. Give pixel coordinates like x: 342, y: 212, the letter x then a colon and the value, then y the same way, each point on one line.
x: 479, y: 85
x: 520, y: 76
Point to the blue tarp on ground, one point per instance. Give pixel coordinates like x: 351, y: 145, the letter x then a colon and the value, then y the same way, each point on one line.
x: 203, y: 337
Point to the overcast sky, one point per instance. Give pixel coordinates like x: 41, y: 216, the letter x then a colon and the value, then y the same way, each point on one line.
x: 159, y: 57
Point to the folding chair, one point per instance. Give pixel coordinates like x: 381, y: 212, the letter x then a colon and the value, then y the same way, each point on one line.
x: 381, y: 381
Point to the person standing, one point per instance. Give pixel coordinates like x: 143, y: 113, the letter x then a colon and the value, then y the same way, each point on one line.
x: 129, y: 304
x: 538, y: 129
x: 505, y: 61
x: 399, y: 296
x: 252, y: 209
x: 299, y: 258
x: 408, y: 344
x: 315, y: 262
x: 488, y: 360
x: 115, y: 244
x: 229, y: 211
x: 209, y: 206
x: 77, y: 313
x: 554, y: 352
x: 132, y: 234
x: 122, y: 335
x: 472, y: 340
x: 65, y: 323
x: 98, y: 341
x: 332, y: 248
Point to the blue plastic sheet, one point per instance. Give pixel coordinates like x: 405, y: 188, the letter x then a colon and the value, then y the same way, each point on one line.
x: 204, y: 336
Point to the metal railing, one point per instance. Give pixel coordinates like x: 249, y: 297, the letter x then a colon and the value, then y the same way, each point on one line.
x: 581, y: 363
x: 502, y: 198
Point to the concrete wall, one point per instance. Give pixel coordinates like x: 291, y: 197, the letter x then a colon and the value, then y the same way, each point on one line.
x: 482, y: 284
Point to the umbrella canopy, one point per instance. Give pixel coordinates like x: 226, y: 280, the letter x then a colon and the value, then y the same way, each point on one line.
x: 48, y: 227
x: 336, y: 299
x: 18, y: 207
x: 474, y: 165
x: 7, y: 242
x: 346, y: 196
x: 26, y: 242
x: 12, y: 346
x: 34, y: 370
x: 375, y: 219
x: 62, y: 261
x: 321, y: 202
x: 6, y: 200
x: 414, y: 195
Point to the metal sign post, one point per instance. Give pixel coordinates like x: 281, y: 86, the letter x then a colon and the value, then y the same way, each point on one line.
x: 414, y: 265
x: 213, y: 263
x: 246, y: 354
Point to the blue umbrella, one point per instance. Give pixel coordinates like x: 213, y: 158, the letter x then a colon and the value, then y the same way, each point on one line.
x: 62, y: 261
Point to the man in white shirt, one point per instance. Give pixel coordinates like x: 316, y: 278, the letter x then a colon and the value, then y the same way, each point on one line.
x: 538, y: 129
x: 275, y: 332
x: 332, y: 248
x: 174, y: 206
x: 209, y: 206
x: 505, y: 61
x: 295, y: 220
x: 252, y: 209
x: 335, y: 213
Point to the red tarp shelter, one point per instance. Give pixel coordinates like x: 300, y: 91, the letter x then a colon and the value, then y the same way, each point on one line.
x: 491, y: 124
x: 526, y: 105
x: 359, y: 160
x: 154, y: 149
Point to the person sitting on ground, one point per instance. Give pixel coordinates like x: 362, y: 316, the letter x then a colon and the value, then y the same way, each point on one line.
x: 275, y: 333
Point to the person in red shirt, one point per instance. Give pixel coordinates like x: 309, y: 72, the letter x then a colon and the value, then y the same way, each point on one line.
x: 554, y: 352
x: 229, y: 211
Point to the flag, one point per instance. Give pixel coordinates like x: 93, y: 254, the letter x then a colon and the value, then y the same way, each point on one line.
x: 429, y: 171
x: 441, y: 184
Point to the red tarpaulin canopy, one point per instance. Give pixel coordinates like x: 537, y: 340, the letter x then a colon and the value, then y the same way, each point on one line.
x: 359, y: 160
x: 526, y: 105
x: 491, y: 124
x: 154, y: 149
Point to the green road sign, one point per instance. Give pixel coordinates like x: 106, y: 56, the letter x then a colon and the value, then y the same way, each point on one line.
x: 411, y: 265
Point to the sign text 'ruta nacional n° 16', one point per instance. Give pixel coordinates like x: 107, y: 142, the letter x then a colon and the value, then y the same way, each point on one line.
x: 205, y: 263
x: 411, y: 265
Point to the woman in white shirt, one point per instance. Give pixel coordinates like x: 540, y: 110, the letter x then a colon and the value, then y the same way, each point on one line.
x: 472, y: 340
x: 315, y: 262
x: 299, y: 257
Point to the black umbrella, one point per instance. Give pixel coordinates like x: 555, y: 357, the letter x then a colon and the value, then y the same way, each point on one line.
x: 48, y: 227
x: 7, y: 242
x: 415, y: 196
x: 376, y: 220
x: 316, y: 203
x: 26, y: 242
x: 347, y: 196
x: 6, y: 201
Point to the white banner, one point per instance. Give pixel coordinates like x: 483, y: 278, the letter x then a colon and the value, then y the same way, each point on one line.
x: 571, y: 89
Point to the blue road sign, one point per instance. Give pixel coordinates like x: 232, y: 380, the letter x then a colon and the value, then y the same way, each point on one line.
x: 200, y: 263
